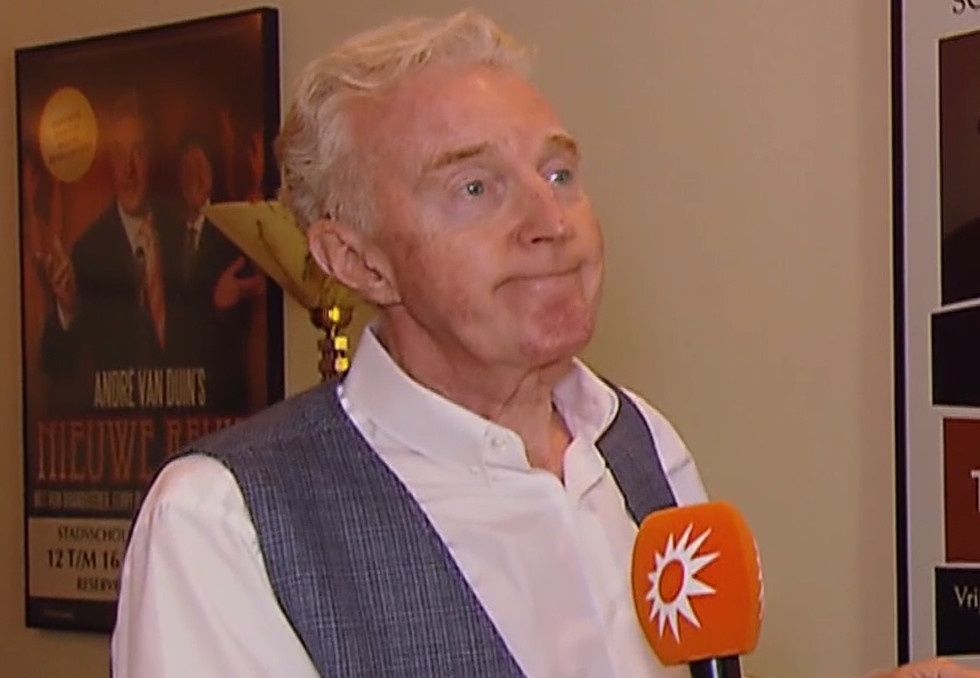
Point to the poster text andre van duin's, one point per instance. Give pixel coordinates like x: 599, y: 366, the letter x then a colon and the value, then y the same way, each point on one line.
x: 126, y: 448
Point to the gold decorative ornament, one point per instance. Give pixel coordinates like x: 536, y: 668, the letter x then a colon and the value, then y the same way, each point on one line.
x: 267, y: 233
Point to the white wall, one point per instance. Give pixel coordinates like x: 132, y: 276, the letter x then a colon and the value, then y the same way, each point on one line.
x: 738, y: 153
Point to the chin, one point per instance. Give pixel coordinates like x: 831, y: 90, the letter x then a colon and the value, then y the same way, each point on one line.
x: 139, y: 209
x: 558, y: 346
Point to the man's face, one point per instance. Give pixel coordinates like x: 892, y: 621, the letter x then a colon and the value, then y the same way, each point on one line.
x: 129, y: 150
x: 494, y: 247
x: 195, y: 178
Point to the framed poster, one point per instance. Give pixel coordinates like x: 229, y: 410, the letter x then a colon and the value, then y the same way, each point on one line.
x: 143, y: 326
x: 936, y: 115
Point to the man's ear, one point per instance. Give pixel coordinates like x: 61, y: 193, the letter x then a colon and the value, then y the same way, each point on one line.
x: 353, y: 259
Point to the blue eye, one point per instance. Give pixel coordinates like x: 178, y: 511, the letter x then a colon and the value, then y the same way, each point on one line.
x: 561, y: 176
x: 474, y: 188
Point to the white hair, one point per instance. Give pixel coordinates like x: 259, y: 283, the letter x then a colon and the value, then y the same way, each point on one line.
x: 324, y: 175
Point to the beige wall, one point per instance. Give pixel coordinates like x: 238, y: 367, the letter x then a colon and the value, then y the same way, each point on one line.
x: 739, y: 155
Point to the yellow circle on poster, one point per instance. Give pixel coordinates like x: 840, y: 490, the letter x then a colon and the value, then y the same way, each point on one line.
x: 68, y: 134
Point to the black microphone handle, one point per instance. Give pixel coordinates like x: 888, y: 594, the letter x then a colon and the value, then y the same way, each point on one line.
x: 717, y: 667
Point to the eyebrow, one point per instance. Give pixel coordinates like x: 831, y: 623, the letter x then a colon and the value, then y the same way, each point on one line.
x: 458, y: 155
x: 453, y: 156
x: 565, y: 142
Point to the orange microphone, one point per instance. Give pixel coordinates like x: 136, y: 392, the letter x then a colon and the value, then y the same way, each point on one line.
x: 697, y: 587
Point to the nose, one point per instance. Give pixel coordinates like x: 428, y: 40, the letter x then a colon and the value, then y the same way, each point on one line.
x: 128, y: 164
x: 542, y: 215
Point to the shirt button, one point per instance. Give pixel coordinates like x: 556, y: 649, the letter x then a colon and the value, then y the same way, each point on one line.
x: 498, y: 443
x: 475, y: 470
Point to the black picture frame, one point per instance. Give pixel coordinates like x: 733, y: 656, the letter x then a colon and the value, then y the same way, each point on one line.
x: 112, y: 384
x: 898, y: 293
x: 935, y: 116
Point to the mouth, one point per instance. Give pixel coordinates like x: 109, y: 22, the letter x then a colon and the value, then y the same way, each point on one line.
x: 543, y: 283
x: 554, y: 275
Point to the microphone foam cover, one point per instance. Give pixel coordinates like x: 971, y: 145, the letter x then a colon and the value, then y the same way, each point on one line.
x: 697, y: 583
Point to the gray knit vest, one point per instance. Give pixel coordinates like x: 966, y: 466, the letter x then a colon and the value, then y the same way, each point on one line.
x: 361, y: 574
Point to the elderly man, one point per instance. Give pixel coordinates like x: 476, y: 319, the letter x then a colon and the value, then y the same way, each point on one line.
x: 464, y: 502
x: 111, y: 306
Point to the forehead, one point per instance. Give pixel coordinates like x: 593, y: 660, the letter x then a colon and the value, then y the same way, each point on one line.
x: 194, y: 156
x: 441, y: 108
x: 127, y: 128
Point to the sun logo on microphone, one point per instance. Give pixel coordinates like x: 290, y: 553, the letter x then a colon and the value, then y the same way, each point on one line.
x: 762, y: 586
x: 673, y: 581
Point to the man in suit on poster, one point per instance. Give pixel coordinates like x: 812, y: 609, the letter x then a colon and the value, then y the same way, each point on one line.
x: 112, y: 308
x: 216, y: 292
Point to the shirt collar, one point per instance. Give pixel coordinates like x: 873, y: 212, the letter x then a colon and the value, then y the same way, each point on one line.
x: 132, y: 225
x: 426, y: 422
x: 197, y: 223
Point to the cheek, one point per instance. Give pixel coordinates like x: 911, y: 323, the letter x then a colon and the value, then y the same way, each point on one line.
x: 591, y: 234
x: 440, y: 279
x: 593, y: 256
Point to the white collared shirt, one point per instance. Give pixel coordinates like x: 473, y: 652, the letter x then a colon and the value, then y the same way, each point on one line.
x: 137, y: 235
x: 135, y: 228
x: 549, y: 562
x: 195, y: 225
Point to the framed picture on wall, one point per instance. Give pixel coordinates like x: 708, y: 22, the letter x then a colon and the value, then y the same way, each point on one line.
x: 936, y: 127
x: 143, y: 326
